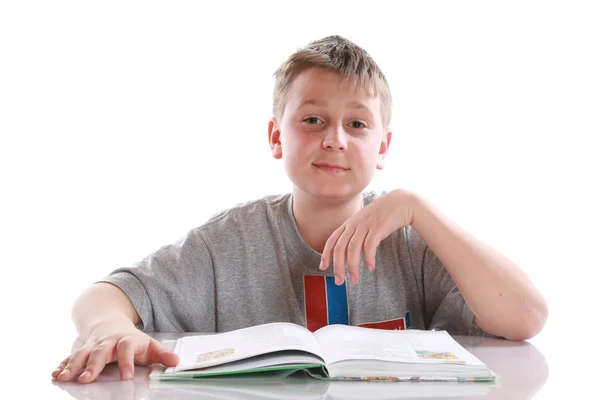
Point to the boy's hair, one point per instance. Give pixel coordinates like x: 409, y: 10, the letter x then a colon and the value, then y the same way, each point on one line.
x: 339, y: 55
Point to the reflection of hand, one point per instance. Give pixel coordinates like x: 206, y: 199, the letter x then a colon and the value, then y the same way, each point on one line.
x: 364, y: 231
x: 109, y: 385
x: 113, y: 342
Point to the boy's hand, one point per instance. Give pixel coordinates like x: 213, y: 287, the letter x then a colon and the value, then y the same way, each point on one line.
x: 125, y: 345
x: 364, y: 231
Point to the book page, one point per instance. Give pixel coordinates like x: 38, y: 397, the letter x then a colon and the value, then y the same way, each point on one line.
x: 215, y: 349
x: 342, y: 342
x: 278, y: 359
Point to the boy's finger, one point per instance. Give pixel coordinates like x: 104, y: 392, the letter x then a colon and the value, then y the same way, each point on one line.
x: 159, y: 353
x: 60, y: 367
x: 125, y: 357
x: 339, y: 255
x: 371, y: 244
x: 99, y: 357
x: 169, y: 359
x: 355, y: 247
x: 326, y: 256
x: 75, y: 363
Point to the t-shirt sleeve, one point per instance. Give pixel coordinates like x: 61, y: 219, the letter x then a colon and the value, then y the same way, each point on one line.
x: 172, y: 289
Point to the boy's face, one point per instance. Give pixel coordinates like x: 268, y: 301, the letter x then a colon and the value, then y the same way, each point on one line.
x: 330, y: 136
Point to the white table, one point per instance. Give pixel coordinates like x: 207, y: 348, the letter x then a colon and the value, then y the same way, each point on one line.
x: 522, y: 368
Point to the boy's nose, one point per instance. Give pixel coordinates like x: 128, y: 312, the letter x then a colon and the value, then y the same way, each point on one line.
x: 335, y: 139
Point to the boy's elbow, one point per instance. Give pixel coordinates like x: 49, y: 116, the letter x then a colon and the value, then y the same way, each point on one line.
x: 529, y: 324
x: 524, y: 324
x: 539, y: 318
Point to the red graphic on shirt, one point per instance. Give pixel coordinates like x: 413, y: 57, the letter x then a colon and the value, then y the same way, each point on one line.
x: 315, y: 298
x: 391, y: 325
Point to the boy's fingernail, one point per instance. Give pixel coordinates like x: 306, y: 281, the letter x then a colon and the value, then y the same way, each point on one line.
x: 371, y: 268
x: 65, y: 372
x: 126, y: 374
x: 338, y: 280
x: 56, y: 371
x: 84, y: 375
x: 321, y: 265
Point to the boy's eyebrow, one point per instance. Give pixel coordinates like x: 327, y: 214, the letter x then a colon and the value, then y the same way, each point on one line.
x: 320, y: 103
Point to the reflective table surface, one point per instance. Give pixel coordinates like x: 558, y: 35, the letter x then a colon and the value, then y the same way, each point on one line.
x: 521, y: 367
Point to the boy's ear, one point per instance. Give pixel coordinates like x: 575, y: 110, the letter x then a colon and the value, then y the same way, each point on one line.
x: 383, y: 149
x: 275, y: 139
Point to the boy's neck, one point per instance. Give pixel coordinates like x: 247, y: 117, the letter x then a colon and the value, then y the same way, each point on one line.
x: 318, y: 219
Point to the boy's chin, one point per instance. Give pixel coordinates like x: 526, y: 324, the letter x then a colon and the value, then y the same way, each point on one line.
x: 332, y: 194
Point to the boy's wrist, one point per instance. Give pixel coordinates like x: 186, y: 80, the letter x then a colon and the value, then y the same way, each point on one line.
x: 411, y: 202
x: 421, y: 210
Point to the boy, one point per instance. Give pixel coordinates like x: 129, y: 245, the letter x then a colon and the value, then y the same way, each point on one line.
x: 273, y: 259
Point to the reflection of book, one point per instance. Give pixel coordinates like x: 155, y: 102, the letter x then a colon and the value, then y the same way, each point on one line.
x: 297, y: 387
x: 334, y: 352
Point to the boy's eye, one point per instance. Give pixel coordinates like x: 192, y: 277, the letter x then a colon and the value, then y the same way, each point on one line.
x: 315, y: 121
x: 312, y: 120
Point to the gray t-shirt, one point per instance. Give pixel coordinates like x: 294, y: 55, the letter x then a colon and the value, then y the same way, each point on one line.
x: 249, y: 265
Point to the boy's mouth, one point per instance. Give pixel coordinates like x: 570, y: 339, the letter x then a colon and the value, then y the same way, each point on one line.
x: 331, y: 168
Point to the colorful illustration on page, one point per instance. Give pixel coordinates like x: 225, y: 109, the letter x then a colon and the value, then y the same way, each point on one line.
x: 432, y: 355
x: 213, y: 355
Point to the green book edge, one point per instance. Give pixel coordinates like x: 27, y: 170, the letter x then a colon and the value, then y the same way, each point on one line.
x: 313, y: 369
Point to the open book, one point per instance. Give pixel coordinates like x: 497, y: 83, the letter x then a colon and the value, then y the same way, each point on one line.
x: 334, y: 352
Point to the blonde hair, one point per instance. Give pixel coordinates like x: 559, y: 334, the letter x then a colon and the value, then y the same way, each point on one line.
x: 339, y: 55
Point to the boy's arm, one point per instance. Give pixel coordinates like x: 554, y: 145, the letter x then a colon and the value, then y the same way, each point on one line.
x: 101, y: 303
x: 505, y: 302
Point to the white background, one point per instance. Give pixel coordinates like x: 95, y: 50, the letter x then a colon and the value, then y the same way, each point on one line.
x: 125, y: 124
